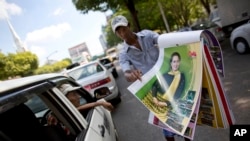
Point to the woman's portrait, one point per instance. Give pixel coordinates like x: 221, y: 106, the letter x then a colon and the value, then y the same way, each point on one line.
x: 171, y: 84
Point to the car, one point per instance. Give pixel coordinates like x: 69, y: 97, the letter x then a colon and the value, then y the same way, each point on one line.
x: 106, y: 61
x: 213, y: 27
x: 25, y: 103
x: 92, y: 76
x: 113, y: 53
x: 240, y: 38
x: 184, y: 29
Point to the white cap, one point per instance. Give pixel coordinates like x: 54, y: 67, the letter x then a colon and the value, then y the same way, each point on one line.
x: 66, y: 88
x: 118, y: 21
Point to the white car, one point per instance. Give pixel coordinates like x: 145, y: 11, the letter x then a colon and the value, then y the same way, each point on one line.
x: 240, y: 38
x: 113, y: 53
x: 94, y: 75
x: 26, y: 102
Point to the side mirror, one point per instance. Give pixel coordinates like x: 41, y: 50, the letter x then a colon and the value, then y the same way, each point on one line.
x: 102, y: 92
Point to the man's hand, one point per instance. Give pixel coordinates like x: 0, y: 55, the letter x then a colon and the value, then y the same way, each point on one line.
x: 132, y: 75
x: 107, y: 105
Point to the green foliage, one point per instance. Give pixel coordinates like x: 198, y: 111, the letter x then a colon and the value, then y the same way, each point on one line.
x: 67, y: 60
x: 147, y: 13
x: 103, y: 5
x: 3, y: 71
x: 56, y: 67
x: 19, y: 64
x: 25, y: 64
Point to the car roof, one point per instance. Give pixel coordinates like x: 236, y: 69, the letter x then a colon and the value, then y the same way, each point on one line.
x: 19, y: 82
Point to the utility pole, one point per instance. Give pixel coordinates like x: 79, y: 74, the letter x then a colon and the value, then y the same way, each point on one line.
x: 163, y: 16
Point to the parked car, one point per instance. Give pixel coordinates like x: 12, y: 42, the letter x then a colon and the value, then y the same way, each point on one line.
x: 113, y: 53
x: 240, y: 38
x: 106, y: 61
x: 94, y: 75
x: 26, y: 102
x: 213, y: 27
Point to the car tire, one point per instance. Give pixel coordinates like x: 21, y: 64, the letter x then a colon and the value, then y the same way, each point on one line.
x: 241, y: 46
x: 115, y: 74
x: 116, y: 100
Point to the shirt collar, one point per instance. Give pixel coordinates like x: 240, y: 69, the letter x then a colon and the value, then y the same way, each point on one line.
x: 139, y: 35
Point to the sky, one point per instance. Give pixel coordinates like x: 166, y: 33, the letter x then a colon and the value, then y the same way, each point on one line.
x: 49, y: 27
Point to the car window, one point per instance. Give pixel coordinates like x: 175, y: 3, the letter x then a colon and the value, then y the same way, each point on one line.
x: 50, y: 122
x: 36, y: 105
x: 85, y: 71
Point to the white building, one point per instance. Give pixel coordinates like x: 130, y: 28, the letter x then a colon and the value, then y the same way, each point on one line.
x: 20, y: 46
x: 79, y: 53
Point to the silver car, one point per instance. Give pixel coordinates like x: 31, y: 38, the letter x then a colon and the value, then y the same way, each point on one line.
x: 213, y: 27
x: 240, y: 38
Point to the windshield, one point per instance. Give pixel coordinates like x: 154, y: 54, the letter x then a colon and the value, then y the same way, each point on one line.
x: 85, y: 71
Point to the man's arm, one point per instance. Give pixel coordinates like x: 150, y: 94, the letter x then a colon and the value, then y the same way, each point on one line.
x: 130, y: 73
x: 105, y: 104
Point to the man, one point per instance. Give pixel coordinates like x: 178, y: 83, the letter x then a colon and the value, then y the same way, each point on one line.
x: 72, y: 93
x: 140, y: 51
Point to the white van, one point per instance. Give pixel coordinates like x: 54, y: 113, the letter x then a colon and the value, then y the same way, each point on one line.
x: 26, y: 102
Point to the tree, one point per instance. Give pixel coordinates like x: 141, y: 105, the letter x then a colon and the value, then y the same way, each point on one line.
x: 20, y: 64
x: 54, y: 68
x: 3, y: 59
x: 182, y: 13
x: 206, y: 4
x: 96, y: 5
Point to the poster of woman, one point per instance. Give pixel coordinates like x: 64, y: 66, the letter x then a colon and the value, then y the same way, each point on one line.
x: 171, y: 93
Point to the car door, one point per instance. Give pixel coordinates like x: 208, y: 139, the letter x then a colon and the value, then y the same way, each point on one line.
x: 97, y: 122
x: 101, y: 126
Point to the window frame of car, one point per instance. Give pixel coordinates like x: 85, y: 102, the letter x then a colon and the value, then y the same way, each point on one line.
x: 64, y: 101
x: 53, y: 98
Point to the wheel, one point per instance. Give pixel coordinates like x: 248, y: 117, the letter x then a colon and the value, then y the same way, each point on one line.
x: 116, y: 100
x: 241, y: 46
x: 115, y: 74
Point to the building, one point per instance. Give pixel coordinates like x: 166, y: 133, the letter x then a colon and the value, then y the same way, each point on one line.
x: 79, y: 53
x: 103, y: 41
x: 20, y: 46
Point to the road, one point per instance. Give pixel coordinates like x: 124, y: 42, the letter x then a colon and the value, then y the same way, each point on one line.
x: 131, y: 116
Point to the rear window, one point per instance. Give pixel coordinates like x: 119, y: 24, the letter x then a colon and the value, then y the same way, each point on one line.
x: 85, y: 71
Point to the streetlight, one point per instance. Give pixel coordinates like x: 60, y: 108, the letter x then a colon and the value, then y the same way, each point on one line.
x: 48, y: 62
